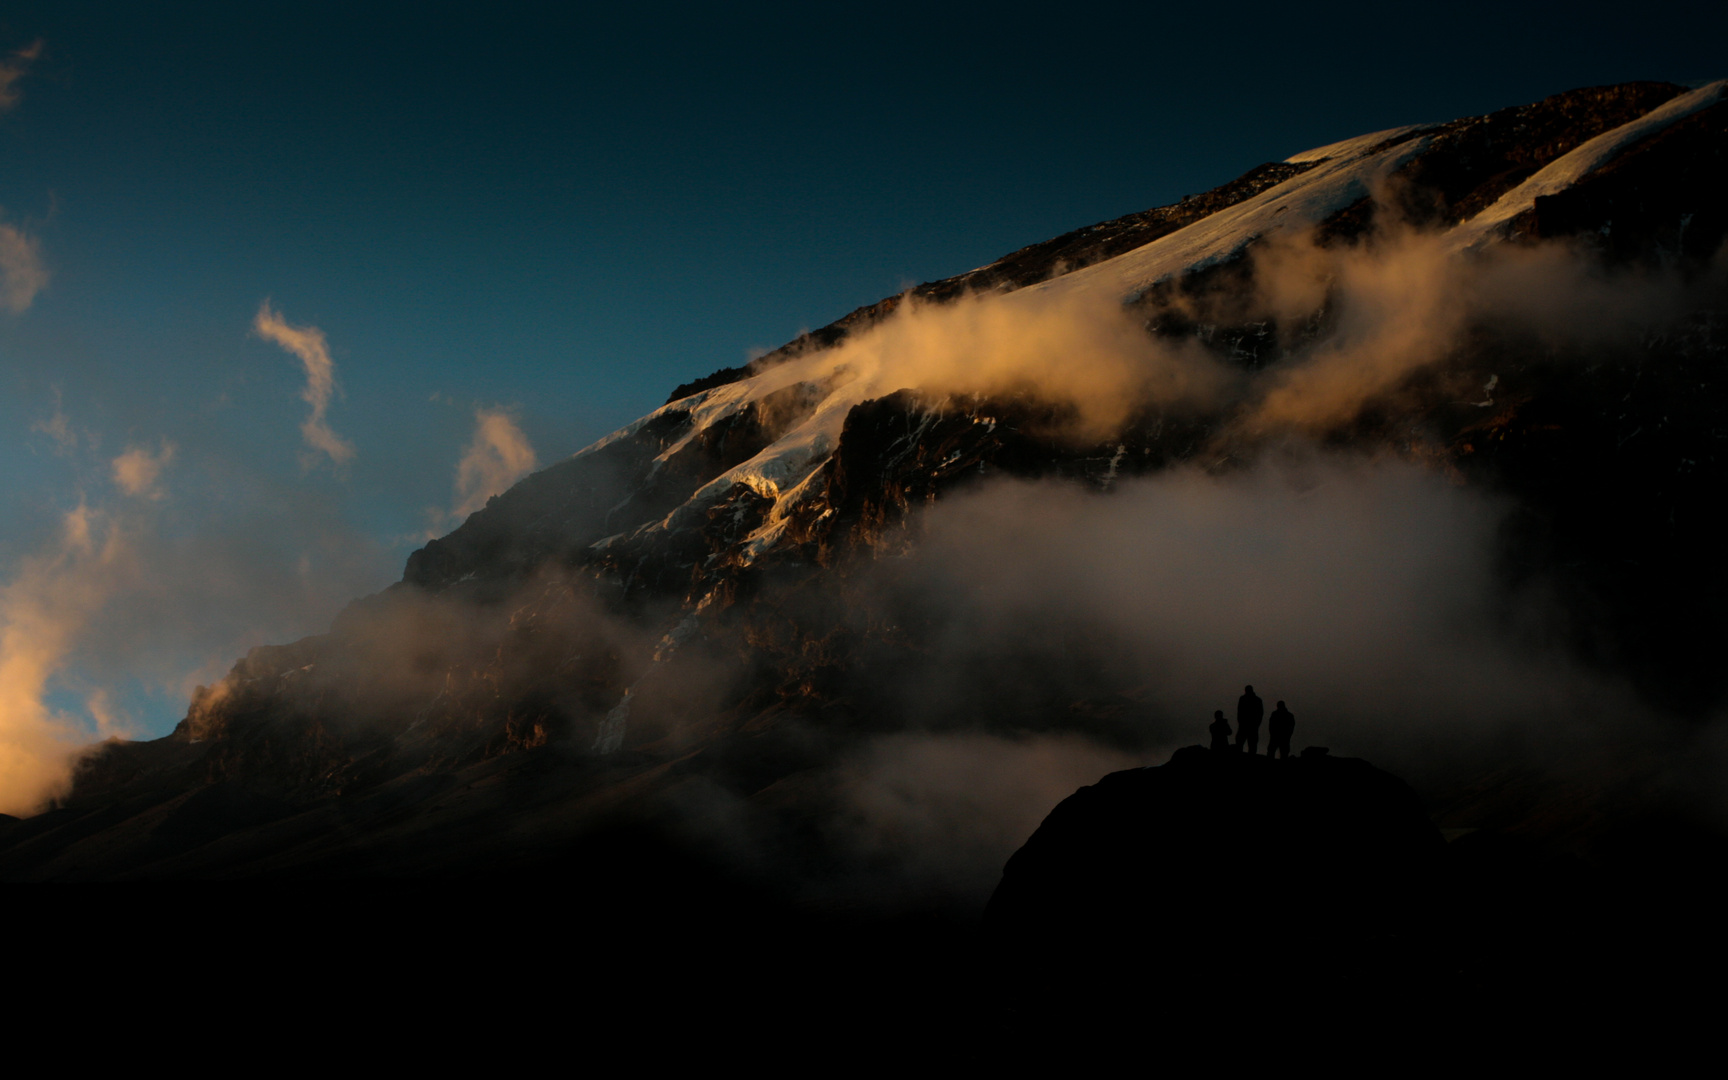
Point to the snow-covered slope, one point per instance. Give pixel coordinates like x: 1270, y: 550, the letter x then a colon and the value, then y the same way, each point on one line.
x: 1343, y: 175
x: 1580, y: 163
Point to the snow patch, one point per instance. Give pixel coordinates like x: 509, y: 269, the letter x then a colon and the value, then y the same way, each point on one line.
x: 1297, y: 204
x: 1353, y: 147
x: 1568, y: 169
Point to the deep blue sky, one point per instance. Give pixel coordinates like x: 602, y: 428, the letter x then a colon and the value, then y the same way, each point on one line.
x: 569, y: 213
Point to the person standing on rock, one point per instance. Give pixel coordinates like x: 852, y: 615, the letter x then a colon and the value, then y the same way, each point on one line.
x: 1249, y: 709
x: 1279, y: 727
x: 1220, y: 729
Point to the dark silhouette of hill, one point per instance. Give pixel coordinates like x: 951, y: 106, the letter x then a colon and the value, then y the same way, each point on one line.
x: 1237, y: 846
x: 1273, y: 903
x: 1222, y: 868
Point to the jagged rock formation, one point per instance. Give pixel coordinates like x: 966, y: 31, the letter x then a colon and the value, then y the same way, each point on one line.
x: 683, y: 593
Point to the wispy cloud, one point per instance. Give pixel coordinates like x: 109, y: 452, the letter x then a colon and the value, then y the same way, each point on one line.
x: 132, y: 598
x: 498, y: 456
x: 58, y: 427
x: 137, y: 470
x: 307, y: 343
x: 22, y: 274
x: 13, y: 70
x: 42, y: 609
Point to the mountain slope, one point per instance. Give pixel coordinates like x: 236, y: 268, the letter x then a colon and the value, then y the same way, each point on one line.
x: 691, y: 613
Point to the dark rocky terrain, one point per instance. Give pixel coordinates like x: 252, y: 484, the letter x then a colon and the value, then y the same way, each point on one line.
x: 622, y: 698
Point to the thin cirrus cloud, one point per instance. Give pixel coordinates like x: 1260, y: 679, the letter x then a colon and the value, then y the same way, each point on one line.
x: 307, y: 343
x: 22, y: 274
x: 58, y: 427
x: 12, y: 72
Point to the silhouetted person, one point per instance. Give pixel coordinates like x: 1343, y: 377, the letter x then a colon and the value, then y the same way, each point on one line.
x: 1279, y: 727
x: 1249, y: 709
x: 1220, y: 729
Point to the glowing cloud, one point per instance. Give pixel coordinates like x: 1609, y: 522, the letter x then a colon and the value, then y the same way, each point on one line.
x: 1405, y: 301
x: 41, y: 611
x: 498, y: 456
x: 307, y: 343
x: 1082, y: 352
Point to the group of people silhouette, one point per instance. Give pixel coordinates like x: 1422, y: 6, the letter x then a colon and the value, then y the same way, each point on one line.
x: 1249, y: 709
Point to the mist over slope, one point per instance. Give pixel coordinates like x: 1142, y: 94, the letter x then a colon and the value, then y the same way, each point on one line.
x: 1421, y: 431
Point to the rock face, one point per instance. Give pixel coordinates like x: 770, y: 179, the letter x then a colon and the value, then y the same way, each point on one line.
x: 1217, y: 852
x: 692, y: 583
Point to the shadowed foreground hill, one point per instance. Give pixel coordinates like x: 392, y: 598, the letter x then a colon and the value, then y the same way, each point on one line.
x: 1266, y: 900
x: 1316, y: 872
x: 1210, y: 841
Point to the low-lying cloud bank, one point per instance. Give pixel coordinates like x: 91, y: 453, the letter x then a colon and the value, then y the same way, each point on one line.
x: 1365, y: 593
x: 1066, y: 633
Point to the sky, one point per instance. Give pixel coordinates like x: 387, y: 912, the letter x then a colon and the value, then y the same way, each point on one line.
x: 288, y: 288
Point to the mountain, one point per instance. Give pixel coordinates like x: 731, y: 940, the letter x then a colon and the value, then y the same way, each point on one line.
x: 712, y: 647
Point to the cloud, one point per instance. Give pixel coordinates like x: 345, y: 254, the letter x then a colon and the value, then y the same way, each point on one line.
x: 1399, y: 307
x: 58, y: 427
x: 1405, y: 301
x: 111, y: 721
x: 1354, y: 324
x: 137, y: 470
x: 498, y: 456
x: 49, y: 600
x: 307, y: 343
x: 1083, y: 353
x: 12, y: 72
x: 22, y: 274
x: 132, y: 599
x: 1364, y: 593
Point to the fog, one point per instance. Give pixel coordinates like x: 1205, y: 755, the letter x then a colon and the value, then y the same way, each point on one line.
x: 1404, y: 301
x: 1065, y: 633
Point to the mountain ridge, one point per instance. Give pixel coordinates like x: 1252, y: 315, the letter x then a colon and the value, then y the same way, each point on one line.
x: 688, y: 605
